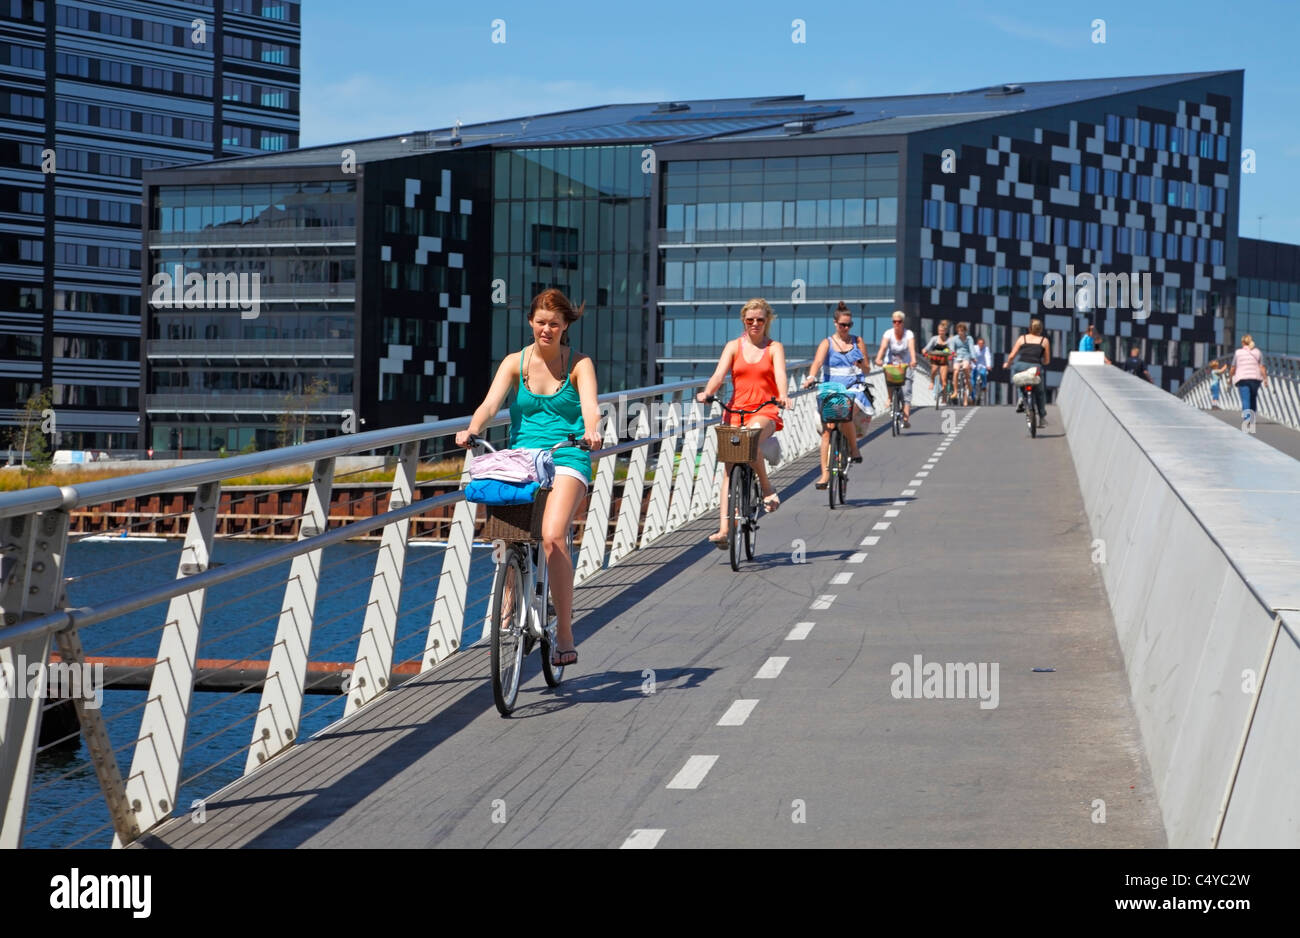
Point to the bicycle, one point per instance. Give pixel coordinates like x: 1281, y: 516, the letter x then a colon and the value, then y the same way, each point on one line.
x: 1027, y: 380
x: 961, y: 386
x: 836, y: 408
x: 895, y: 378
x: 738, y: 446
x: 519, y: 616
x: 980, y: 384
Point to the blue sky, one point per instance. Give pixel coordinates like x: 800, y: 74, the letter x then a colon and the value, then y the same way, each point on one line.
x: 390, y: 66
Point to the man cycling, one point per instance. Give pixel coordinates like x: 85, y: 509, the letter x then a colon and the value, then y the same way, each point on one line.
x: 983, y: 364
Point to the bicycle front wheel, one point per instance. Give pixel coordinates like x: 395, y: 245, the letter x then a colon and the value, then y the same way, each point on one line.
x: 842, y: 477
x: 737, y: 492
x: 833, y: 463
x: 752, y: 510
x: 509, y: 613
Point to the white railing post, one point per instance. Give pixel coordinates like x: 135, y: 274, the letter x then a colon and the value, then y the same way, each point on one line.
x: 32, y: 551
x: 447, y: 623
x: 591, y: 555
x: 374, y: 662
x: 703, y: 497
x: 278, y: 714
x: 154, y: 778
x: 679, y: 510
x: 629, y: 512
x: 656, y: 522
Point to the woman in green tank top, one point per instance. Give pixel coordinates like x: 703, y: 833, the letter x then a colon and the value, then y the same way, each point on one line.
x: 554, y: 395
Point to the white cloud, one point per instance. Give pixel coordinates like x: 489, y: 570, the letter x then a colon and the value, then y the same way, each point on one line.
x: 360, y: 106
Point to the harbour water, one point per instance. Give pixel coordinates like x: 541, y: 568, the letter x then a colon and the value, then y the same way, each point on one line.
x: 240, y: 620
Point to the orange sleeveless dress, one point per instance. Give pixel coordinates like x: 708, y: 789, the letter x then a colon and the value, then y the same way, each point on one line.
x: 753, y: 384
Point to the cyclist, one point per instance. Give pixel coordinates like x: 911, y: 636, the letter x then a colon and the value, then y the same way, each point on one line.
x: 555, y: 395
x: 963, y: 354
x: 842, y: 357
x: 938, y: 352
x: 899, y: 346
x: 1035, y: 352
x: 756, y: 364
x: 983, y: 365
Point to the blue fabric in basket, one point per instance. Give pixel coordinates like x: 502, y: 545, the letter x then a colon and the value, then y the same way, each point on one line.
x: 496, y: 492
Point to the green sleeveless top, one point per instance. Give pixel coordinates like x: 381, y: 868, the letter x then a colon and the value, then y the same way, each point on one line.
x: 538, y: 420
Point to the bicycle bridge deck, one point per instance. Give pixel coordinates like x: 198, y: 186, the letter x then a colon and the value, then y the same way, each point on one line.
x: 984, y: 558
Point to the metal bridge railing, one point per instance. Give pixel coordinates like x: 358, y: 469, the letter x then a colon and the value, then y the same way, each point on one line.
x: 1279, y: 397
x: 269, y: 604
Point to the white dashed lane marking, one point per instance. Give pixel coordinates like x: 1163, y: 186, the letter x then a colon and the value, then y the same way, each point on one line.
x: 800, y: 631
x: 771, y: 667
x: 892, y: 513
x: 738, y: 713
x: 870, y: 541
x: 644, y: 838
x: 909, y: 491
x: 858, y: 557
x: 880, y: 526
x: 823, y: 602
x: 841, y: 578
x: 693, y: 772
x: 914, y: 482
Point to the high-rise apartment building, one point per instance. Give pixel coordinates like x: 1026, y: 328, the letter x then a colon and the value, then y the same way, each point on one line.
x: 92, y: 94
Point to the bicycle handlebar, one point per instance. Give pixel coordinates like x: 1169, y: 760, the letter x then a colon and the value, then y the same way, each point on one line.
x: 741, y: 412
x: 474, y: 440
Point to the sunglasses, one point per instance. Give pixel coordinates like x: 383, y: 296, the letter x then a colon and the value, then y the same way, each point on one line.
x: 845, y: 325
x: 760, y: 319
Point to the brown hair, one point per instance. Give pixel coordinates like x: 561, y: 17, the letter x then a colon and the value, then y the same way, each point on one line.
x: 768, y: 315
x: 943, y: 323
x: 1035, y: 327
x: 841, y: 310
x: 553, y: 300
x: 962, y: 327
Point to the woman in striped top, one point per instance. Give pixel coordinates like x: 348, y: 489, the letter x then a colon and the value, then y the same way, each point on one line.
x: 1248, y: 374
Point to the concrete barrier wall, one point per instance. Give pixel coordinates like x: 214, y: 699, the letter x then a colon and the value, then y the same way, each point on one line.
x: 1200, y: 528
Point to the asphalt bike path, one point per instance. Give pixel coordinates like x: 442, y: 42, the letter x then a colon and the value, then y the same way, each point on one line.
x: 715, y: 708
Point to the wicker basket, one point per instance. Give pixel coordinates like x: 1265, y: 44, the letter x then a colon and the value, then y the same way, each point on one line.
x: 516, y: 522
x: 895, y: 374
x: 737, y: 444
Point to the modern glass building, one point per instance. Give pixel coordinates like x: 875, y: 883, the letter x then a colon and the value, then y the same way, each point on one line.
x: 664, y: 218
x: 1268, y: 295
x: 93, y: 94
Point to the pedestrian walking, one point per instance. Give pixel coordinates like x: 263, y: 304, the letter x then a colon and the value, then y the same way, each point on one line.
x: 1249, y: 375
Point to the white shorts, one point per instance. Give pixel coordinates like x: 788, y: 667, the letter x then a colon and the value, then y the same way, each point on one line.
x: 573, y: 473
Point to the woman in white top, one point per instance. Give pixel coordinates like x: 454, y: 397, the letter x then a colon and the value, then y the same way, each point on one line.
x: 899, y: 346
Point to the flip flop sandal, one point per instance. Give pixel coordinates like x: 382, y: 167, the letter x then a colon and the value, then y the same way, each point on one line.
x: 562, y: 659
x: 821, y: 485
x: 719, y: 542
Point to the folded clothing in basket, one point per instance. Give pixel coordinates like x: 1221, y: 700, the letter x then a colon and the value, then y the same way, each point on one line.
x: 515, y: 465
x: 497, y: 492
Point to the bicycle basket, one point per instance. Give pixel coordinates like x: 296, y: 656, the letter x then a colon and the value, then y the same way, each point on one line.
x: 895, y: 374
x: 836, y: 407
x: 1027, y: 378
x: 737, y: 444
x: 516, y: 522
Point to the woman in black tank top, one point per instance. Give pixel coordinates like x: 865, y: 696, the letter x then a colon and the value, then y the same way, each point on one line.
x: 1034, y: 351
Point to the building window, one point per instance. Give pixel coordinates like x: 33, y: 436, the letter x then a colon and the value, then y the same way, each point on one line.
x: 1110, y: 183
x: 1112, y: 128
x: 1090, y: 175
x: 1075, y: 175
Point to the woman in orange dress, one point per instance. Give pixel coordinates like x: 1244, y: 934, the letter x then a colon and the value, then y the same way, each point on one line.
x: 756, y: 364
